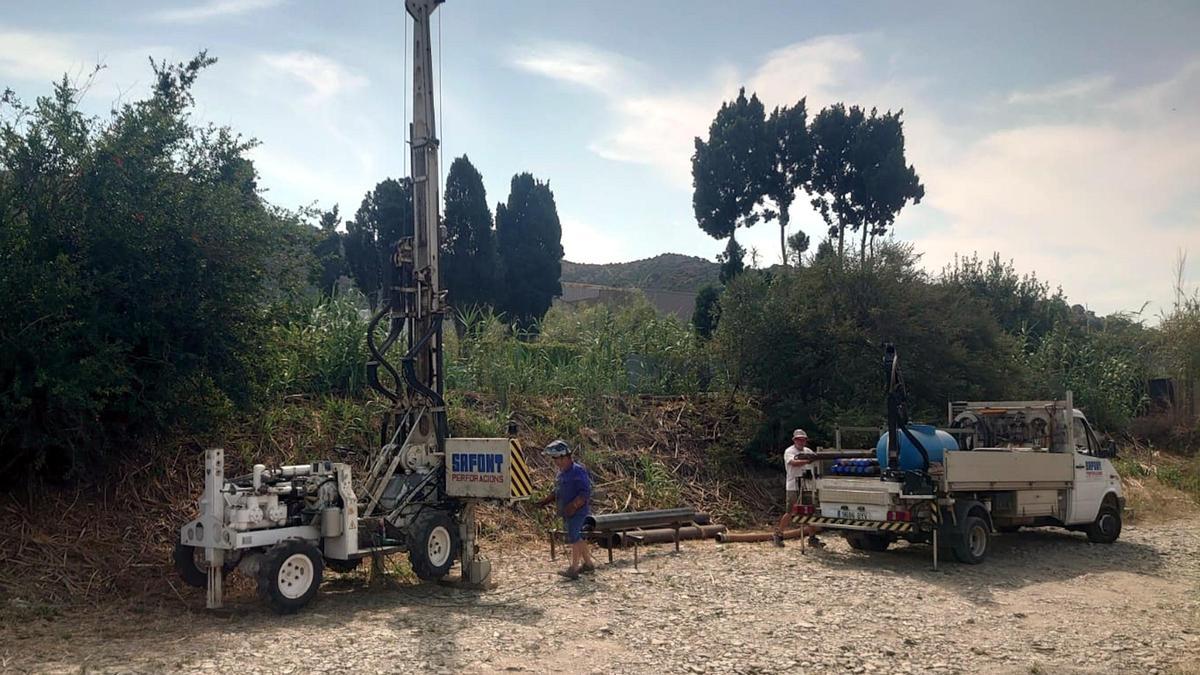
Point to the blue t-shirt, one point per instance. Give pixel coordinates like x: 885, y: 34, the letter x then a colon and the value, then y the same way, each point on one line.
x: 572, y: 483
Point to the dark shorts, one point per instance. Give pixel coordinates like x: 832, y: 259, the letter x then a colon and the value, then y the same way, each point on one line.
x: 574, y: 527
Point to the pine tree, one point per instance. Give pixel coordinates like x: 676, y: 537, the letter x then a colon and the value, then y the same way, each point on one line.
x: 529, y: 241
x: 385, y: 216
x: 469, y: 247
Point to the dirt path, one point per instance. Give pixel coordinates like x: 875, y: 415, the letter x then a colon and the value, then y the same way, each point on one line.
x: 1046, y: 601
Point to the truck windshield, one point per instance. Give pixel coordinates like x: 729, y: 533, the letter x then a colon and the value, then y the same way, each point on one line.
x: 1085, y: 440
x: 1081, y: 443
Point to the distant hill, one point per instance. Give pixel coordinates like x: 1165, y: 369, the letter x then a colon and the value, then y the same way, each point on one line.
x: 666, y: 272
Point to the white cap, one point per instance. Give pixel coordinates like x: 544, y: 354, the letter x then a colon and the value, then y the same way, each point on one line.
x: 799, y: 433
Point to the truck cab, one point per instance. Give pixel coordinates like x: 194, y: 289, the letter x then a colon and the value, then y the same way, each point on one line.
x: 1096, y: 482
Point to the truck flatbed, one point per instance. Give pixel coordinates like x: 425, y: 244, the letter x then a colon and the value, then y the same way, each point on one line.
x: 1007, y: 469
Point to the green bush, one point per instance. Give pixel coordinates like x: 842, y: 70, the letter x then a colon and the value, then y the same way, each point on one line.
x: 137, y: 267
x: 809, y: 343
x: 1104, y: 369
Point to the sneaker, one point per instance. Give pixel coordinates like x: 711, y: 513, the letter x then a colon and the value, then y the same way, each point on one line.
x: 777, y: 539
x: 815, y: 543
x: 569, y: 574
x: 587, y: 568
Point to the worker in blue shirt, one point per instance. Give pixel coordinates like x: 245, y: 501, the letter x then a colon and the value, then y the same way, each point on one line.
x: 573, y: 494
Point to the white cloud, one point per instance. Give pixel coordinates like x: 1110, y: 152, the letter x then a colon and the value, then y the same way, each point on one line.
x: 815, y: 68
x: 1094, y: 187
x: 294, y: 173
x: 574, y: 64
x: 325, y: 77
x: 212, y: 9
x: 1073, y: 89
x: 1100, y: 206
x: 656, y: 126
x: 37, y: 56
x: 584, y: 242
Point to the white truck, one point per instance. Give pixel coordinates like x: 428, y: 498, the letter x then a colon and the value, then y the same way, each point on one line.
x: 1014, y: 464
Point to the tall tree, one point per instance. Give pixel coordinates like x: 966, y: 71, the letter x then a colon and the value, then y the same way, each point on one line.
x: 885, y: 181
x: 529, y: 241
x: 834, y: 132
x: 791, y: 164
x: 328, y: 250
x: 733, y: 260
x: 384, y: 217
x: 469, y: 247
x: 799, y: 243
x: 860, y: 179
x: 706, y: 313
x: 730, y: 170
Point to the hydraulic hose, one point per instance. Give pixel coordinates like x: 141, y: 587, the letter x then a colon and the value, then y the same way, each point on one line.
x: 377, y: 357
x: 410, y: 369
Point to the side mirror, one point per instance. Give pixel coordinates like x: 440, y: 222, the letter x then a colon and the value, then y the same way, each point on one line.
x: 1109, y: 451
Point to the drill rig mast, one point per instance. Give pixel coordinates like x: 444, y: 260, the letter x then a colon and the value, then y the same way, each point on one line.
x: 414, y: 303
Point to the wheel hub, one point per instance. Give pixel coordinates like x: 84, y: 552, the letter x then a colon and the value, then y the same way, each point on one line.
x: 977, y: 541
x: 1108, y: 524
x: 438, y: 546
x: 295, y: 576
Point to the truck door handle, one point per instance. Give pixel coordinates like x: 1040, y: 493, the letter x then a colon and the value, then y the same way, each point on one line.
x: 1078, y: 466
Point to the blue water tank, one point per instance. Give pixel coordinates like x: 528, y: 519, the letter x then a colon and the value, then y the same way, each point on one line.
x: 934, y: 441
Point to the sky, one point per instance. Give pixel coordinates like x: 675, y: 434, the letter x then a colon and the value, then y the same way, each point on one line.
x: 1064, y: 136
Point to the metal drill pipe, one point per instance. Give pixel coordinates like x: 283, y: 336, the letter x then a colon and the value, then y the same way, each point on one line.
x: 839, y: 454
x: 731, y: 537
x: 636, y: 519
x: 667, y: 534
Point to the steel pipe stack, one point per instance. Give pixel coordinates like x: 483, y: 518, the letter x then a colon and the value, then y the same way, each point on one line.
x: 638, y: 519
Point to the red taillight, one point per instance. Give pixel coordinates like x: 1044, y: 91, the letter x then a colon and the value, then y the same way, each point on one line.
x: 904, y: 516
x: 805, y: 509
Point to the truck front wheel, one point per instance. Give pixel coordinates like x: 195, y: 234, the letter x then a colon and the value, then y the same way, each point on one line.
x: 971, y: 543
x: 1107, y: 527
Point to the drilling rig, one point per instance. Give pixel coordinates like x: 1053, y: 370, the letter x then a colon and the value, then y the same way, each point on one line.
x: 285, y: 525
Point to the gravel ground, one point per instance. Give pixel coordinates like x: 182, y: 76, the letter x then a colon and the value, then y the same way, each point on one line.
x: 1045, y: 601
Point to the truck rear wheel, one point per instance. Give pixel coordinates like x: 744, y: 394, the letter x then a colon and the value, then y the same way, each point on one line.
x: 1107, y: 527
x: 432, y: 544
x: 971, y: 544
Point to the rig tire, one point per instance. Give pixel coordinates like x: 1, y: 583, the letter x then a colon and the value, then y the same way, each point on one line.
x: 290, y: 575
x: 189, y: 570
x: 433, y: 544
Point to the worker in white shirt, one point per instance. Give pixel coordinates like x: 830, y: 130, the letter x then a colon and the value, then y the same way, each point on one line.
x: 797, y: 466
